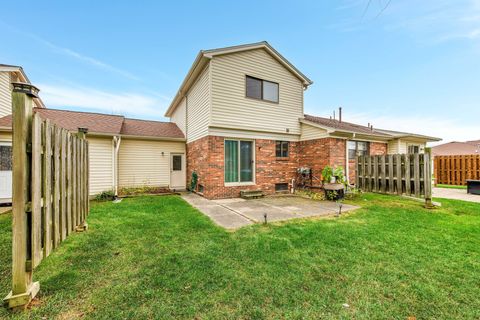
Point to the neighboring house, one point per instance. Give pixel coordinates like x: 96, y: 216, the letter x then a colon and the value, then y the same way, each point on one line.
x: 123, y: 152
x: 457, y: 148
x: 241, y: 110
x: 238, y: 117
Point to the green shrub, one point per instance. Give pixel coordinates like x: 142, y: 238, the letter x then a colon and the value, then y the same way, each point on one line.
x: 105, y: 196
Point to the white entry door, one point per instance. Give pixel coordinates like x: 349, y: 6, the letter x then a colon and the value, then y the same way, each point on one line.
x: 177, y: 171
x: 5, y: 172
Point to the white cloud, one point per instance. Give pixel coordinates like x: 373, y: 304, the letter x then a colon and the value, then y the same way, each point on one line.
x: 447, y: 129
x: 74, y: 54
x: 132, y: 104
x: 431, y: 21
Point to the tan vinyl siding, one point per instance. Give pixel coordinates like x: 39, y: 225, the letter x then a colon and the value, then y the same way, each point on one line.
x: 101, y: 164
x: 141, y: 162
x: 231, y: 108
x: 311, y: 132
x: 5, y: 136
x: 179, y: 116
x: 5, y: 94
x: 198, y: 107
x: 401, y: 146
x: 244, y: 134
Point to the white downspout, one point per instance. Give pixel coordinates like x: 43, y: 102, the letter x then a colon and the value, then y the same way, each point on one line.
x: 347, y: 161
x: 117, y: 141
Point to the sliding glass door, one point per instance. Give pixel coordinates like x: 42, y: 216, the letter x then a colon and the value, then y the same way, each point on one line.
x: 238, y: 161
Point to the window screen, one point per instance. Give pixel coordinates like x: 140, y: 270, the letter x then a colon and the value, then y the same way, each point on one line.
x: 5, y: 158
x: 270, y: 91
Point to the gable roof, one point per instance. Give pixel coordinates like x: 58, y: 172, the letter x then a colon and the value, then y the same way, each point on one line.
x: 72, y: 120
x: 204, y: 57
x: 456, y: 148
x: 101, y: 123
x: 147, y: 128
x: 22, y: 77
x: 342, y: 126
x: 333, y: 125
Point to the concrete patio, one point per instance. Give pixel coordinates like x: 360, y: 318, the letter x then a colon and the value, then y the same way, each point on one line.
x: 455, y: 194
x: 236, y: 213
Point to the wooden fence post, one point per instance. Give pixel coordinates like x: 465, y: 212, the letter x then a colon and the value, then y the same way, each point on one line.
x: 82, y: 132
x: 427, y: 179
x: 23, y: 290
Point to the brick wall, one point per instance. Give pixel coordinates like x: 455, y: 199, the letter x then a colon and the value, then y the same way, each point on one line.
x: 206, y: 157
x: 318, y: 153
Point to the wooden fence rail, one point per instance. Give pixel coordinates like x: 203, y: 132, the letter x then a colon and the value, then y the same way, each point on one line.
x: 50, y: 191
x: 455, y: 170
x: 402, y: 174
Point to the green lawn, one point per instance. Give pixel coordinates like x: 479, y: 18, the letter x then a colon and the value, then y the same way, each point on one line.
x: 157, y: 257
x: 450, y: 186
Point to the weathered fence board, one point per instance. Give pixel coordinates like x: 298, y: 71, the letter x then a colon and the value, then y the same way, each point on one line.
x: 456, y: 169
x: 50, y: 198
x: 407, y: 174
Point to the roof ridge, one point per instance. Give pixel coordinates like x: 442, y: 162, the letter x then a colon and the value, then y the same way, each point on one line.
x: 338, y: 121
x: 89, y: 112
x: 125, y: 118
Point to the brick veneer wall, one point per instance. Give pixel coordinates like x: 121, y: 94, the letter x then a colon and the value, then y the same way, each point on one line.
x: 318, y: 153
x: 206, y: 157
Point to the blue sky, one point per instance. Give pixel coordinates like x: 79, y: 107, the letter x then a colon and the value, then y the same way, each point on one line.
x: 399, y: 64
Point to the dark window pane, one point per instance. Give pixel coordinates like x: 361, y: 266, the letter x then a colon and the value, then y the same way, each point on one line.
x: 5, y: 158
x: 281, y: 149
x: 246, y: 161
x: 254, y: 88
x: 231, y: 161
x: 352, y: 154
x: 278, y: 149
x: 270, y: 91
x: 177, y: 163
x: 281, y: 187
x: 285, y: 149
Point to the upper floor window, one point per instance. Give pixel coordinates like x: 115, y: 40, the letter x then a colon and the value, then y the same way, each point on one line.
x: 357, y: 148
x: 281, y: 149
x: 262, y: 89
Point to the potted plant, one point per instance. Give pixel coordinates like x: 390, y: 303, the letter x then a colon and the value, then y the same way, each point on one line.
x: 333, y: 183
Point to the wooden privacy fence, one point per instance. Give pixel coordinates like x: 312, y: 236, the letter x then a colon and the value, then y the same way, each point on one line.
x: 50, y: 191
x: 455, y: 170
x: 408, y: 174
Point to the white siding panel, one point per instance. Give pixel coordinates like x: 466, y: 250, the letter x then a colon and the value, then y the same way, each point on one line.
x: 141, y: 162
x: 401, y: 146
x: 243, y: 134
x: 5, y: 94
x: 230, y: 107
x: 101, y: 164
x: 311, y: 132
x: 179, y: 116
x: 198, y: 107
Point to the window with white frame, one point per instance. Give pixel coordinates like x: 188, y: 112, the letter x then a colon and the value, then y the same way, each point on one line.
x: 357, y: 148
x: 238, y: 161
x: 281, y: 149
